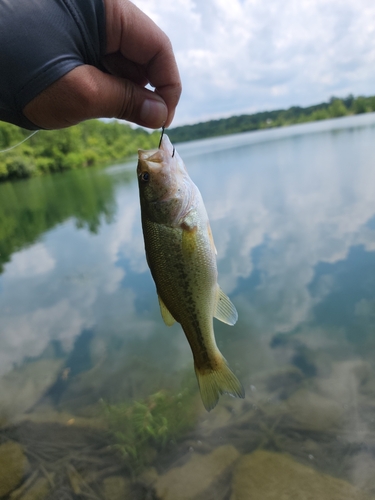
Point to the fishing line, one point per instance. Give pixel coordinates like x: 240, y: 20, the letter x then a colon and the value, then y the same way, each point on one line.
x: 161, y: 137
x: 21, y: 142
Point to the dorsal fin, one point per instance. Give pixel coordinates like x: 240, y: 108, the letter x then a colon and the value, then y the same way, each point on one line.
x: 225, y: 310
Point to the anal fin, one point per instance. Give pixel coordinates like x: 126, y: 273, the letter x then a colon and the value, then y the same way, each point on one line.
x: 225, y: 310
x: 166, y: 315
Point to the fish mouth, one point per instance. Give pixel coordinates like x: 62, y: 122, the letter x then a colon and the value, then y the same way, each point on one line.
x: 151, y: 159
x: 145, y: 154
x: 156, y: 155
x: 164, y: 158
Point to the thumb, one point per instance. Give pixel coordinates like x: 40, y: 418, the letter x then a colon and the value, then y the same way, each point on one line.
x: 86, y: 92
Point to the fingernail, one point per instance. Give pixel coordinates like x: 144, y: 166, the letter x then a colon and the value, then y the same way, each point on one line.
x: 153, y: 113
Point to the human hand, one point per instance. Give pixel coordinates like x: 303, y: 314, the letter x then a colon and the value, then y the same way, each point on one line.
x: 138, y: 53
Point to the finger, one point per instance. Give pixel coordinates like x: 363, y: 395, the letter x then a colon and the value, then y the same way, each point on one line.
x: 86, y: 92
x: 140, y: 40
x: 117, y: 65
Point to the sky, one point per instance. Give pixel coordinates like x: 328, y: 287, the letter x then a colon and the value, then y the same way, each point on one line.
x: 244, y: 56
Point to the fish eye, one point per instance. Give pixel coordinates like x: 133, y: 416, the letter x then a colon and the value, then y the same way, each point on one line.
x: 145, y: 176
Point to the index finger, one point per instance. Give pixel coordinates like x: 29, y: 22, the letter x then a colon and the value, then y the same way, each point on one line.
x: 140, y: 40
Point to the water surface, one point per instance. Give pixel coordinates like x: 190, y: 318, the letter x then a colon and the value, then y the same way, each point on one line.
x: 292, y: 212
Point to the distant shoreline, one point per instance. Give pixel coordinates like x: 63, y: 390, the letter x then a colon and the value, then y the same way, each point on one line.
x: 334, y: 108
x: 188, y: 149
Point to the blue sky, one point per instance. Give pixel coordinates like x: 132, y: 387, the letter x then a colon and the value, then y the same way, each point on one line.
x: 244, y: 56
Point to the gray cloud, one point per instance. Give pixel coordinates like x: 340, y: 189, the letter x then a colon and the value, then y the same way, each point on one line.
x: 247, y: 56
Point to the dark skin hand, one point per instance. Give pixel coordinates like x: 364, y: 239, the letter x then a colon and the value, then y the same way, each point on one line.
x: 138, y: 53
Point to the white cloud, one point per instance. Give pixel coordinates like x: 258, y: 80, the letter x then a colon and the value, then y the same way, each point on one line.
x: 30, y: 262
x: 251, y: 55
x: 28, y: 334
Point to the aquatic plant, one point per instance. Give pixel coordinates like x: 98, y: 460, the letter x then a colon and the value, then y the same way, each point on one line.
x: 141, y: 429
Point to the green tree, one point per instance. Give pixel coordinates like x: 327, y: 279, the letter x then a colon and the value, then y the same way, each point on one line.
x: 337, y: 109
x: 87, y: 144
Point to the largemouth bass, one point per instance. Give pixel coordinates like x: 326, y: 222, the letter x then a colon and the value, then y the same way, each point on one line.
x: 181, y: 254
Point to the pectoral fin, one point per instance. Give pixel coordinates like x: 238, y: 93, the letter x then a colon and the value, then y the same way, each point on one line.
x: 166, y: 315
x: 225, y: 310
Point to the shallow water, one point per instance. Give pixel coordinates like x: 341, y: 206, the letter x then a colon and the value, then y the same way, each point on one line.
x: 292, y: 212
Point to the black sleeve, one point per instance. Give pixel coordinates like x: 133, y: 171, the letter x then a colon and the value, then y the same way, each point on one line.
x: 40, y: 41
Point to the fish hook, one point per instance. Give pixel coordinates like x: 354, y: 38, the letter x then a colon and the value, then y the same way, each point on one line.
x: 161, y: 137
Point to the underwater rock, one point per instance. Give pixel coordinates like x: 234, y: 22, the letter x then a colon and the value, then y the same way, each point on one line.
x: 265, y: 475
x: 38, y: 491
x: 22, y: 388
x: 117, y: 488
x: 13, y: 466
x: 314, y: 412
x: 203, y: 477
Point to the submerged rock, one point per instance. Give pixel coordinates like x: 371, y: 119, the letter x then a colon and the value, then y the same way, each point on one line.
x: 264, y: 475
x: 314, y: 412
x: 38, y: 491
x: 203, y: 477
x: 13, y: 466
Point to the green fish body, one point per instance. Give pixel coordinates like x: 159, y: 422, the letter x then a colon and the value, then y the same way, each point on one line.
x: 181, y: 255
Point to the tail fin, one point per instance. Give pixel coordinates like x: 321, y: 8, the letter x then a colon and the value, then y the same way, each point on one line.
x: 213, y: 383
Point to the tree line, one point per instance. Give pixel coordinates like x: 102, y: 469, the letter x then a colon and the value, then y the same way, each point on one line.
x: 334, y: 108
x: 97, y: 143
x: 87, y: 144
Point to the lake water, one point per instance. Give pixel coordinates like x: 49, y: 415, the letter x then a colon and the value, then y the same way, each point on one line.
x: 98, y: 398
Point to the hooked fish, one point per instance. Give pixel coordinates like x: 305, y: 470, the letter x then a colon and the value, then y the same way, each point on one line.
x: 181, y: 255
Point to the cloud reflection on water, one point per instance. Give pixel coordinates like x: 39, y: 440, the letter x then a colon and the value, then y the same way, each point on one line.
x: 277, y: 210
